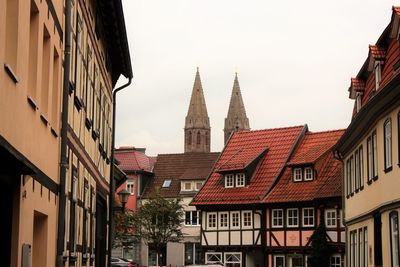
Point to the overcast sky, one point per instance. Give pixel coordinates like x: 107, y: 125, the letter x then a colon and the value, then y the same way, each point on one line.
x: 294, y: 61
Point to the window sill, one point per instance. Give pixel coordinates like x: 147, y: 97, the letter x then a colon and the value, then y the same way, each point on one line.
x: 88, y: 123
x: 78, y: 103
x: 32, y: 103
x: 369, y: 182
x: 388, y: 169
x: 11, y: 73
x: 375, y: 178
x: 54, y: 132
x: 95, y: 135
x: 44, y: 119
x: 71, y: 88
x: 361, y: 188
x: 356, y: 191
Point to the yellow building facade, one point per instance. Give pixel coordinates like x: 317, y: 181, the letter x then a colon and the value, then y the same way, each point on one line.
x: 56, y: 209
x: 371, y: 157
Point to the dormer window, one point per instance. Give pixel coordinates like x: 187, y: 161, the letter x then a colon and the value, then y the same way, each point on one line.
x: 191, y: 186
x: 229, y: 180
x: 378, y: 70
x: 358, y: 101
x: 308, y: 174
x: 235, y: 180
x: 297, y: 174
x: 303, y: 174
x: 240, y: 181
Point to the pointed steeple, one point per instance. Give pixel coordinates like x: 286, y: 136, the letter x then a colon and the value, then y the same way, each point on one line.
x: 197, y: 122
x: 236, y: 119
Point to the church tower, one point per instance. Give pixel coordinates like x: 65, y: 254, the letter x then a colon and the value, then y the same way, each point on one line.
x: 197, y: 122
x: 236, y: 119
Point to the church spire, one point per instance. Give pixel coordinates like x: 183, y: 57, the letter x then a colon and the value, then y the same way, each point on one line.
x: 236, y: 119
x: 197, y: 122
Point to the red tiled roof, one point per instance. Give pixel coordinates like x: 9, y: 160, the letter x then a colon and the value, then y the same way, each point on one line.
x: 377, y: 52
x: 241, y: 159
x: 327, y: 182
x: 131, y: 159
x: 177, y: 167
x: 315, y: 145
x: 357, y: 84
x: 245, y: 146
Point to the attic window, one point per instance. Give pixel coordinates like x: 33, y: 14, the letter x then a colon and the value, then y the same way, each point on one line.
x: 358, y: 101
x: 229, y: 181
x: 378, y: 70
x: 308, y: 174
x: 297, y: 175
x: 166, y: 183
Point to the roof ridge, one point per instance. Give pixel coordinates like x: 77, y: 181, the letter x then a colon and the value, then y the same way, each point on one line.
x: 271, y: 129
x: 187, y: 153
x: 327, y: 131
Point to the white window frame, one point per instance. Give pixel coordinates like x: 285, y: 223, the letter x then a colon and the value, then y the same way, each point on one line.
x: 223, y: 224
x: 232, y: 221
x: 244, y: 219
x: 273, y: 216
x: 378, y: 74
x: 288, y: 217
x: 279, y: 256
x: 358, y: 101
x: 191, y: 218
x: 218, y: 254
x: 308, y: 217
x: 215, y: 222
x: 226, y: 254
x: 240, y: 180
x: 229, y: 180
x: 331, y: 221
x: 387, y: 131
x: 196, y: 187
x: 130, y: 186
x: 297, y: 174
x: 183, y: 186
x: 308, y: 176
x: 335, y: 263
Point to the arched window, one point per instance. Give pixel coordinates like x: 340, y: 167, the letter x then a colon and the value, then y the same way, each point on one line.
x: 198, y: 137
x: 207, y: 139
x: 189, y: 138
x: 387, y: 130
x: 394, y: 238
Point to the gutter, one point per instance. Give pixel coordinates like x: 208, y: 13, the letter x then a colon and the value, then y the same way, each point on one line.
x: 112, y: 182
x: 64, y: 128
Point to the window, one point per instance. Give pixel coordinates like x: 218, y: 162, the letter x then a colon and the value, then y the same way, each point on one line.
x: 193, y: 254
x: 198, y: 185
x: 330, y: 218
x: 335, y: 261
x: 247, y: 220
x: 212, y: 220
x: 279, y: 261
x: 233, y: 259
x: 229, y: 180
x: 308, y: 217
x: 187, y: 186
x: 372, y: 158
x: 387, y: 132
x: 240, y: 181
x: 361, y: 166
x: 192, y: 217
x: 167, y: 183
x: 375, y: 154
x: 308, y: 174
x: 394, y: 239
x: 130, y: 186
x: 352, y: 178
x: 235, y: 219
x: 292, y: 217
x: 277, y: 218
x: 365, y: 246
x: 198, y: 138
x: 213, y: 257
x: 189, y: 138
x: 377, y: 75
x: 358, y: 101
x: 223, y: 220
x: 297, y: 174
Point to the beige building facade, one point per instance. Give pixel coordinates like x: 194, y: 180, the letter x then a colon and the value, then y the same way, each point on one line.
x: 33, y: 38
x: 370, y: 153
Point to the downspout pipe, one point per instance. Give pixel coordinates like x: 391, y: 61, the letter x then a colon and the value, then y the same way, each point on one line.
x: 112, y: 182
x: 64, y: 128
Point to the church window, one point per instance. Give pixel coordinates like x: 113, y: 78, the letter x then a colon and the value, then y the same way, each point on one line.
x: 189, y: 138
x: 207, y: 139
x: 198, y: 138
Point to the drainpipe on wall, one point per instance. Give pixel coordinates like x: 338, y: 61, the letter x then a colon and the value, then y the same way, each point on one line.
x: 112, y: 182
x: 64, y: 129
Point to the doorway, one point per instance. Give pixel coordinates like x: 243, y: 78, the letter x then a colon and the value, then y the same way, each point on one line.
x: 101, y: 231
x: 7, y: 190
x: 39, y: 246
x: 378, y: 239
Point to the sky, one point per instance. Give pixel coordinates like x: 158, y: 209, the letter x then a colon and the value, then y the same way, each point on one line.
x: 294, y: 61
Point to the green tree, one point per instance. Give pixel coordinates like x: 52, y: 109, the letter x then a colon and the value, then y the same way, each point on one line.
x: 320, y: 248
x: 124, y: 228
x: 158, y: 221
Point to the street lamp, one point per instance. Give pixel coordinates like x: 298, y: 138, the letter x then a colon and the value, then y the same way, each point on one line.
x: 123, y: 197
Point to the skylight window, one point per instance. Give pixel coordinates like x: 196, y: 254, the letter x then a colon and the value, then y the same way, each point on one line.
x: 167, y: 183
